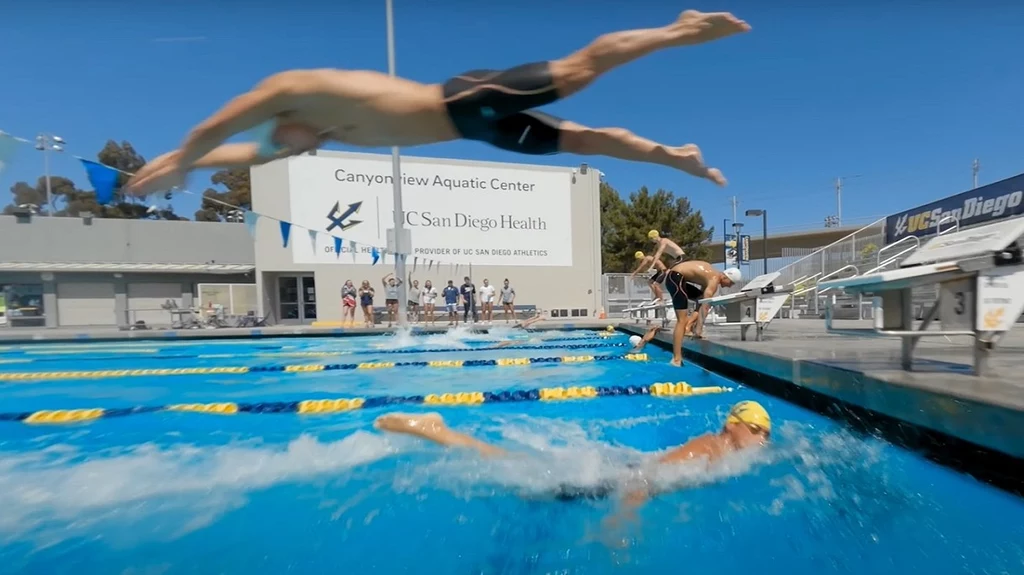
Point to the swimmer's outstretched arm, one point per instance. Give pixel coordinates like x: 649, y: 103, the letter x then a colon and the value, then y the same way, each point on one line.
x: 160, y: 173
x: 431, y: 426
x: 270, y: 98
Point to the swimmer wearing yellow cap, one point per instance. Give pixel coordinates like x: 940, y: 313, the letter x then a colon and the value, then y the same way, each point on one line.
x: 666, y: 246
x: 658, y: 271
x: 747, y: 426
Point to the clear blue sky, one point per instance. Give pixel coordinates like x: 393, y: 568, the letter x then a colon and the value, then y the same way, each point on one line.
x: 904, y: 93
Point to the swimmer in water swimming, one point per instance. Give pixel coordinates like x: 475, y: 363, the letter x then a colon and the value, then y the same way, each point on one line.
x: 297, y: 111
x: 747, y: 426
x: 538, y: 316
x: 639, y: 343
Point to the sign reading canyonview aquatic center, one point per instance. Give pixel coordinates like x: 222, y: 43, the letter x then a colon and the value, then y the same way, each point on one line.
x: 456, y: 214
x: 995, y: 201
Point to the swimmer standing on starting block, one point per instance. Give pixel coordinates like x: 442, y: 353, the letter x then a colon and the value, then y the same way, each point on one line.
x: 658, y: 271
x: 693, y: 280
x: 297, y: 111
x: 667, y: 247
x: 747, y: 426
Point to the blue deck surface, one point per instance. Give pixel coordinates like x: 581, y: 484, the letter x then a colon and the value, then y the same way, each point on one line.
x: 188, y: 493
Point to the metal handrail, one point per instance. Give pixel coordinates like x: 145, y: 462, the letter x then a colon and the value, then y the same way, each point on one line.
x: 909, y: 239
x: 840, y: 240
x: 893, y: 259
x: 947, y: 217
x: 827, y: 276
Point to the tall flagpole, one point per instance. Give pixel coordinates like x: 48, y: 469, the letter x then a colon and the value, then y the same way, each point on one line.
x: 396, y: 176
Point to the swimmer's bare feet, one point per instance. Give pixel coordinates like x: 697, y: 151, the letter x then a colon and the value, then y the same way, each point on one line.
x: 676, y: 363
x: 689, y: 159
x: 695, y: 27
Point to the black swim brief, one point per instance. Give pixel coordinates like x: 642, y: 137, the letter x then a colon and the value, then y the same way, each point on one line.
x: 682, y: 291
x: 496, y: 107
x: 658, y: 276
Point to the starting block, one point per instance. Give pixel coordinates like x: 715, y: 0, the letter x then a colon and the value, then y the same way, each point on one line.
x: 649, y: 312
x: 980, y: 275
x: 756, y: 304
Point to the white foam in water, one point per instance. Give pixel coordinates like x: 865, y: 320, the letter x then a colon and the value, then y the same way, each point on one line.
x: 53, y: 494
x: 155, y: 492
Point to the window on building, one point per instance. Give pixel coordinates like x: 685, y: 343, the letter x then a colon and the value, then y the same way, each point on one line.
x: 21, y: 303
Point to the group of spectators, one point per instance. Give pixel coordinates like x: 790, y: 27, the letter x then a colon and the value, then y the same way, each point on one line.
x: 477, y: 302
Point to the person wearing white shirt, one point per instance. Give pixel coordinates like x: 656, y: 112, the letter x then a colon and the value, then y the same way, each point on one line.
x: 487, y: 300
x: 428, y: 297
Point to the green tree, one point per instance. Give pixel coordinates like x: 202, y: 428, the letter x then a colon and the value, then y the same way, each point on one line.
x: 613, y: 218
x: 69, y: 200
x: 237, y: 194
x: 629, y: 222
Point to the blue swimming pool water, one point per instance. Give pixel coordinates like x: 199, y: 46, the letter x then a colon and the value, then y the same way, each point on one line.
x: 188, y: 493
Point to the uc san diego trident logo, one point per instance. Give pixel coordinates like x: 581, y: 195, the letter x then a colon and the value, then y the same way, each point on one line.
x: 341, y: 220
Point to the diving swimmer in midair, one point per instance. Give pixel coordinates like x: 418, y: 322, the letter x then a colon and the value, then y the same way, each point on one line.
x: 296, y: 111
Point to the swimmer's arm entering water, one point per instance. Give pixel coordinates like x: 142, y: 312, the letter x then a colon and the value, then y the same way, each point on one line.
x: 431, y: 426
x: 705, y: 447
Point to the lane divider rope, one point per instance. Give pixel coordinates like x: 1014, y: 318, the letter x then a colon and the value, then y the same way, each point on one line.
x: 113, y: 373
x: 341, y: 405
x: 108, y: 355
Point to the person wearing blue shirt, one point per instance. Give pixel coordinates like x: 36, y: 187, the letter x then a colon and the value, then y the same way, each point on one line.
x: 451, y: 302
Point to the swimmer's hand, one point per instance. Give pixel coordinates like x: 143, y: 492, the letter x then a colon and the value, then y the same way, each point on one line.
x: 160, y: 174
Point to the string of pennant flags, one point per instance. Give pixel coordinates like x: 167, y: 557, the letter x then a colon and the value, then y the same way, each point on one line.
x: 104, y: 178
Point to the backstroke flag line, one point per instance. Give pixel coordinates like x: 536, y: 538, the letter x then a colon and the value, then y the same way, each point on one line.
x: 103, y: 180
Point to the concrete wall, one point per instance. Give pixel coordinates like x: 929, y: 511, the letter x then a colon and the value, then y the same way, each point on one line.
x: 75, y: 240
x: 571, y: 287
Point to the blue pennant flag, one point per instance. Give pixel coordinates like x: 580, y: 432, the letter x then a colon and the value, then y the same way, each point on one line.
x: 250, y: 222
x: 376, y: 256
x: 103, y: 180
x: 286, y: 231
x: 337, y: 247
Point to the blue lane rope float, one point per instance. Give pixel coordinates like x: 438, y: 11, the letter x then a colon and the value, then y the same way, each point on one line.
x: 111, y: 355
x: 112, y: 373
x: 341, y: 405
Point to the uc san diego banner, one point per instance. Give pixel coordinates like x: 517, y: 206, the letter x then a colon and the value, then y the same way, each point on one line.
x: 989, y: 203
x: 479, y: 215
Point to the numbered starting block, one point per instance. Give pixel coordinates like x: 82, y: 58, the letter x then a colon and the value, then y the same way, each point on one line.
x: 980, y: 275
x: 754, y: 305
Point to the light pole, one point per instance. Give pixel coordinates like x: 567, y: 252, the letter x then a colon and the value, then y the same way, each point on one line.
x: 396, y: 177
x: 839, y: 197
x: 764, y: 234
x: 736, y: 229
x: 725, y: 241
x: 47, y: 143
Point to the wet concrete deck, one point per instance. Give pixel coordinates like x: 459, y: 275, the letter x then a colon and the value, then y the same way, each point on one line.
x: 54, y: 335
x: 940, y: 394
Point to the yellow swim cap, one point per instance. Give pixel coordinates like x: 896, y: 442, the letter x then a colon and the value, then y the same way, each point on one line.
x: 750, y: 413
x: 653, y: 234
x: 639, y: 255
x: 610, y: 328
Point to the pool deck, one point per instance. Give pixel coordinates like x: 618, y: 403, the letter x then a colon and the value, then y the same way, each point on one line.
x: 58, y: 335
x: 939, y: 395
